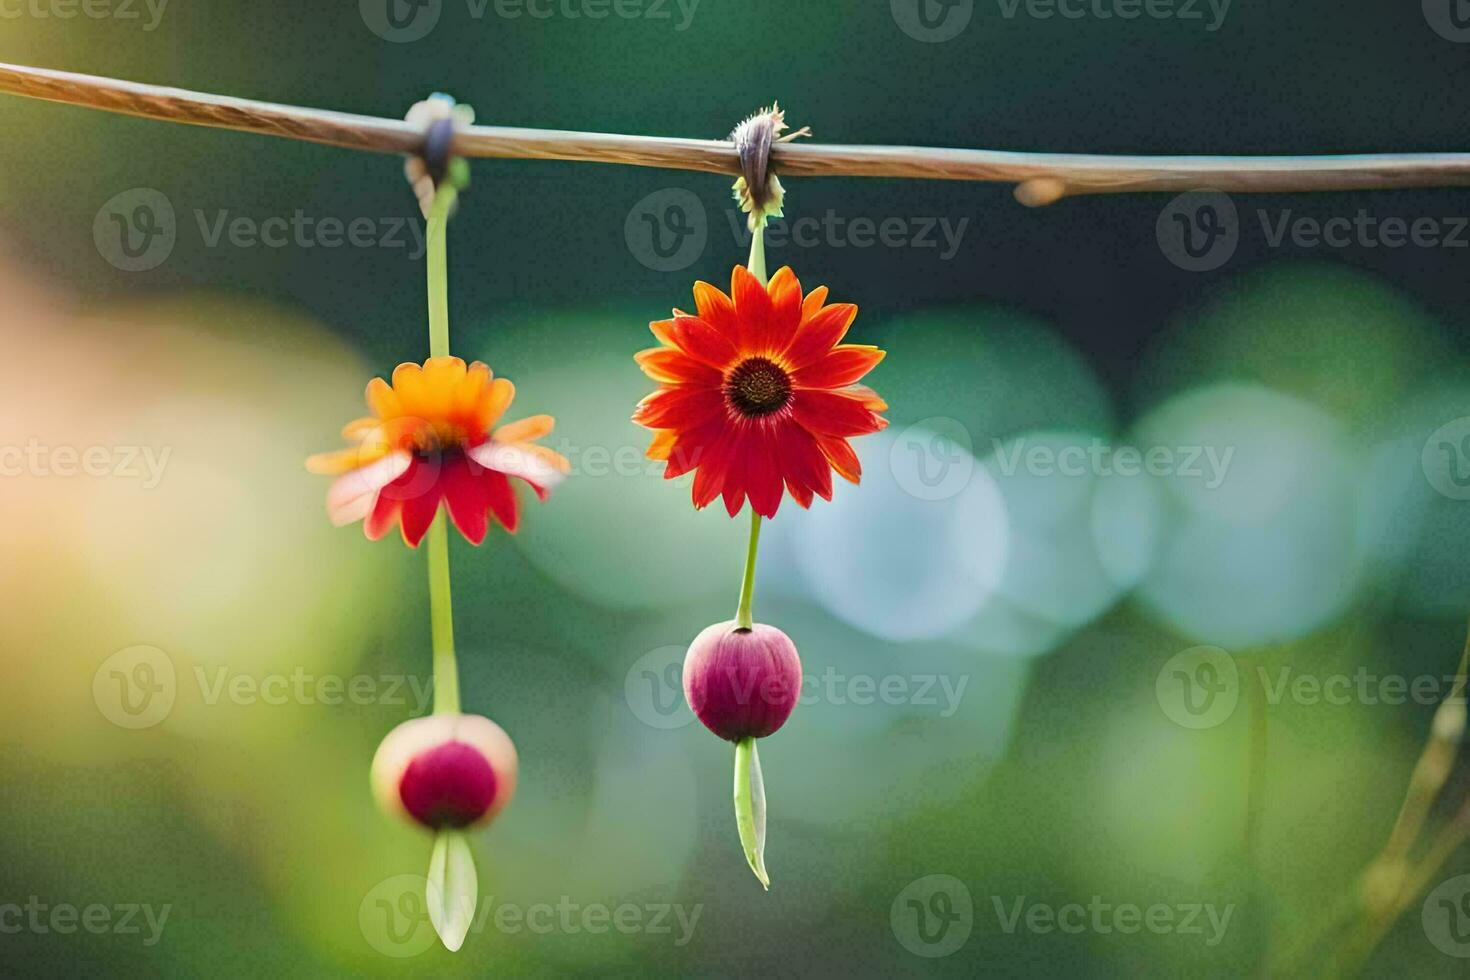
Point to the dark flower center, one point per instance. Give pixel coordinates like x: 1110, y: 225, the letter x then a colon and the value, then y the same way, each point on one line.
x: 758, y: 387
x: 433, y: 438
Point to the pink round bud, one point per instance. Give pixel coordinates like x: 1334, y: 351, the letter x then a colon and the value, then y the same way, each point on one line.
x: 742, y: 682
x: 445, y: 771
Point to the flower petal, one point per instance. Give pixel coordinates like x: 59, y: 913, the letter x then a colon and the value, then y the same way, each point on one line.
x: 753, y: 306
x: 717, y: 309
x: 692, y: 447
x: 684, y: 407
x: 662, y: 444
x: 785, y: 293
x: 542, y: 469
x: 352, y: 495
x: 704, y: 343
x: 814, y: 301
x: 382, y: 400
x: 464, y: 495
x: 828, y: 413
x: 869, y: 398
x: 763, y: 474
x: 382, y: 517
x: 819, y: 333
x: 839, y: 453
x: 714, y: 463
x: 733, y: 489
x: 664, y: 331
x: 469, y: 390
x: 340, y: 461
x: 502, y: 499
x: 841, y: 366
x: 419, y: 509
x: 358, y: 429
x: 496, y: 400
x: 802, y: 462
x: 526, y: 430
x: 675, y: 367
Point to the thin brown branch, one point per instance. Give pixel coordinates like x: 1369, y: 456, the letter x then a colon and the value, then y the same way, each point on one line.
x: 1041, y: 178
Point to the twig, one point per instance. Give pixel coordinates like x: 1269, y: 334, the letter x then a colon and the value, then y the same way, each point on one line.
x: 1041, y: 178
x: 1390, y: 881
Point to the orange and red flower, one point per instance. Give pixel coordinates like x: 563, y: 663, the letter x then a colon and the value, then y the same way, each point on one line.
x: 757, y: 393
x: 432, y: 438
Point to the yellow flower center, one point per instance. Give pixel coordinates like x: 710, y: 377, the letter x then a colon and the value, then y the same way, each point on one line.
x: 758, y: 387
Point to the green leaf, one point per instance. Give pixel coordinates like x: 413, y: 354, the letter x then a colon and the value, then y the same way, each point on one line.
x: 750, y: 807
x: 453, y: 889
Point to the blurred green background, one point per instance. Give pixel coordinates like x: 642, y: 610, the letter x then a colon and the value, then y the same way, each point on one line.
x: 997, y: 693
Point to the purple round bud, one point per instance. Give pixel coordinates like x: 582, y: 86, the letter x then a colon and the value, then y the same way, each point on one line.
x: 742, y: 683
x: 445, y: 771
x: 450, y: 785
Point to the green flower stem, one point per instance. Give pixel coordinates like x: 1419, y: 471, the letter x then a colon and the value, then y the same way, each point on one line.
x: 441, y: 620
x: 439, y: 269
x: 441, y: 605
x: 757, y: 261
x: 743, y: 618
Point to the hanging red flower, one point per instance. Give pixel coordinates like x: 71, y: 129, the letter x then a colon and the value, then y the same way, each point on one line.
x: 432, y: 439
x: 758, y: 394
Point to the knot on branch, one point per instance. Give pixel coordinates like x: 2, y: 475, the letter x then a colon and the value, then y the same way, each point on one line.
x: 439, y: 116
x: 758, y: 191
